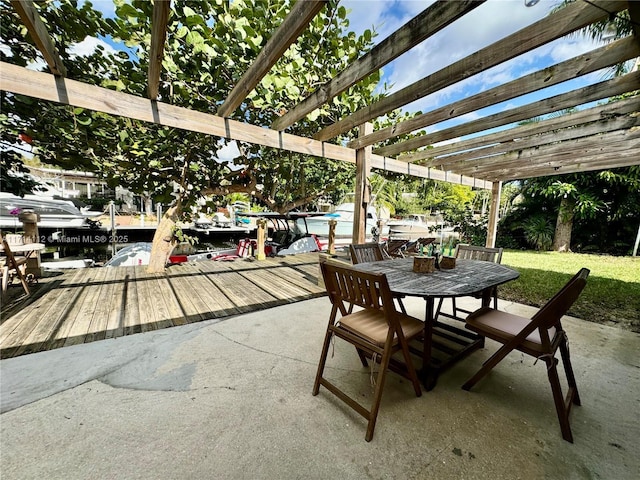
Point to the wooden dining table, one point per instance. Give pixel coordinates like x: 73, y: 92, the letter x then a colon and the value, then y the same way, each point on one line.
x: 443, y: 343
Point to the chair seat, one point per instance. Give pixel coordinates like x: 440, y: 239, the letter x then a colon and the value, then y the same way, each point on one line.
x: 502, y: 326
x: 371, y: 325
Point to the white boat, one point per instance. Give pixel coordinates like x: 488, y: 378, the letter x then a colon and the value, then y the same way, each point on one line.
x: 412, y: 226
x: 131, y: 256
x: 54, y: 213
x: 139, y: 254
x: 344, y: 216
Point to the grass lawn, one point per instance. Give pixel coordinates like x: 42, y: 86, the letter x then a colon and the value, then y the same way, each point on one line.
x: 612, y: 294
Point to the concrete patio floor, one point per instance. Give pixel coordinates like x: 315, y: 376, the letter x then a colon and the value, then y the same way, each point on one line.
x: 231, y: 399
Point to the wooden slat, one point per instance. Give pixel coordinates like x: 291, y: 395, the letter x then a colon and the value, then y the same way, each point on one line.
x: 425, y: 24
x: 458, y: 162
x: 613, y: 109
x: 302, y: 12
x: 159, y: 21
x: 618, y: 140
x: 564, y: 21
x: 79, y: 317
x: 217, y: 303
x: 116, y: 301
x: 392, y: 165
x: 555, y: 156
x: 276, y: 286
x: 97, y: 315
x: 634, y: 14
x: 300, y: 278
x: 38, y: 31
x: 590, y: 93
x: 586, y: 163
x: 153, y: 313
x: 41, y: 322
x: 244, y: 294
x: 102, y: 310
x: 597, y: 59
x: 192, y: 306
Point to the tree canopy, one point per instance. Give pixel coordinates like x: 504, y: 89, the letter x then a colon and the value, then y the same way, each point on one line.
x: 209, y: 45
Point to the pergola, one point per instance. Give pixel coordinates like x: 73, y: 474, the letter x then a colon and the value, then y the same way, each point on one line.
x: 602, y: 137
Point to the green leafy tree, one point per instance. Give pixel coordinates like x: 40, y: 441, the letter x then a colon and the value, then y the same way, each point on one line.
x: 209, y: 45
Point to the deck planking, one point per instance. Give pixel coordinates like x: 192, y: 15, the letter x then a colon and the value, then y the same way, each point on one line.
x: 87, y: 305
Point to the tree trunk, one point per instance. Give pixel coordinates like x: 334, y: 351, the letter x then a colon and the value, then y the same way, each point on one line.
x: 163, y: 241
x: 564, y: 225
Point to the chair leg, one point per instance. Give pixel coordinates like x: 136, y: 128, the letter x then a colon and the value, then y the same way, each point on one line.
x: 404, y: 310
x: 377, y: 396
x: 363, y: 357
x: 568, y: 370
x: 487, y: 366
x: 495, y: 298
x: 410, y: 367
x: 323, y: 361
x: 561, y: 409
x: 439, y: 308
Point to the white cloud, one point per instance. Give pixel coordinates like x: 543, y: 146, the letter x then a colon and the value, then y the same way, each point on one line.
x: 89, y: 45
x: 228, y: 152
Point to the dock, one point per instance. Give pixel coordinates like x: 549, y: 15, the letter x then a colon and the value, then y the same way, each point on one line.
x: 91, y: 304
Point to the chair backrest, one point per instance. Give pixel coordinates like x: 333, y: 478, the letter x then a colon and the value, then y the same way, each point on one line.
x: 551, y: 313
x: 348, y: 286
x: 412, y: 247
x: 366, y: 252
x: 472, y: 252
x: 394, y: 248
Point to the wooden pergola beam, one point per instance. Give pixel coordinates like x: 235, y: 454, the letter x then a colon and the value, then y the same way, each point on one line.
x: 590, y: 93
x: 587, y: 163
x: 302, y: 12
x: 589, y: 62
x: 454, y: 162
x: 161, y: 9
x: 38, y: 31
x: 606, y: 143
x: 48, y: 87
x: 571, y: 18
x: 614, y: 109
x: 425, y: 24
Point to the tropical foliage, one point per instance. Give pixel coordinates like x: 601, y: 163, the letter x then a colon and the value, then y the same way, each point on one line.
x: 209, y: 45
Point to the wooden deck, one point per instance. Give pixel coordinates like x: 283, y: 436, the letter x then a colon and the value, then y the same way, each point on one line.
x: 91, y: 304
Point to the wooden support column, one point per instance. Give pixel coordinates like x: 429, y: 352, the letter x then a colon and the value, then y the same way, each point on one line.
x: 261, y: 234
x: 494, y: 211
x: 331, y: 249
x: 363, y: 168
x: 31, y: 235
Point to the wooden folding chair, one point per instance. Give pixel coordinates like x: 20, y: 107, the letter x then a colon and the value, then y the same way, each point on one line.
x: 472, y: 252
x: 540, y: 337
x: 377, y: 331
x: 370, y: 252
x: 415, y: 247
x: 395, y: 248
x: 14, y: 266
x: 366, y: 252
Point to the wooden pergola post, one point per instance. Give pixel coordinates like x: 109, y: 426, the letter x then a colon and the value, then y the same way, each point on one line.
x: 494, y: 211
x: 261, y: 236
x: 363, y: 168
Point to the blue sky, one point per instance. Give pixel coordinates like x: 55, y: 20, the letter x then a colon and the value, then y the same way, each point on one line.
x: 483, y: 26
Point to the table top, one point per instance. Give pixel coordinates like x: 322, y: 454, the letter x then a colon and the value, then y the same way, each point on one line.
x: 24, y: 247
x: 468, y: 277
